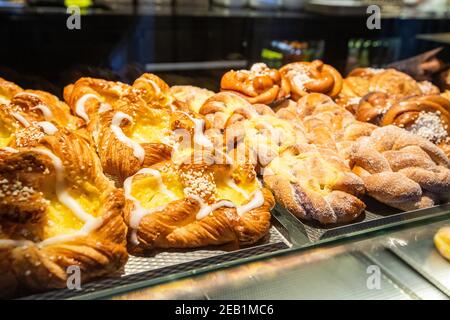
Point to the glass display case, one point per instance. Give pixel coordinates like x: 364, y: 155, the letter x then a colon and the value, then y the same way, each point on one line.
x: 385, y: 253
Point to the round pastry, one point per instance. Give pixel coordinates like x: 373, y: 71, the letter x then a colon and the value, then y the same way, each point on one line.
x: 260, y: 84
x: 192, y: 205
x: 308, y: 77
x: 315, y: 185
x: 57, y: 211
x: 194, y: 97
x: 442, y: 242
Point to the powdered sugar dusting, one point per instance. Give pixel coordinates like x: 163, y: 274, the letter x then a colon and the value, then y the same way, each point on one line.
x: 430, y: 126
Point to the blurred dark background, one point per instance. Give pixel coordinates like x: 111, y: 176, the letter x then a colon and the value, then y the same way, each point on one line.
x: 196, y: 43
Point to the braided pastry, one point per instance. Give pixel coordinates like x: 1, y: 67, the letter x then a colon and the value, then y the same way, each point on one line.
x: 400, y: 169
x: 57, y: 210
x: 260, y: 84
x: 308, y: 77
x: 192, y: 205
x: 315, y: 184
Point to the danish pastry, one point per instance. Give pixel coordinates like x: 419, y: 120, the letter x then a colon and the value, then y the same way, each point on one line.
x: 260, y: 84
x: 442, y: 242
x: 131, y: 126
x: 194, y: 205
x: 310, y: 77
x: 57, y: 210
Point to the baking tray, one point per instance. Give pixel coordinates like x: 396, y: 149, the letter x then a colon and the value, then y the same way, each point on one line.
x: 170, y: 262
x: 375, y: 216
x: 419, y: 253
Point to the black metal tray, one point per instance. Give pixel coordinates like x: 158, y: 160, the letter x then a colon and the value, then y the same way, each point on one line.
x: 375, y: 216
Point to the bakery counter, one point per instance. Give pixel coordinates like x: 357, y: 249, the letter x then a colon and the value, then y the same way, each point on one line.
x: 400, y: 263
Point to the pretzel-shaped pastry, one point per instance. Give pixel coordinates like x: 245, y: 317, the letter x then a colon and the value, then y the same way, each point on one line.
x: 260, y: 84
x: 372, y: 107
x: 7, y: 91
x: 254, y: 131
x: 57, y: 210
x: 308, y: 77
x: 193, y: 205
x: 400, y: 169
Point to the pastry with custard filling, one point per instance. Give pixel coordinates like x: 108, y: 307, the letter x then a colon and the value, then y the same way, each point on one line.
x: 57, y: 210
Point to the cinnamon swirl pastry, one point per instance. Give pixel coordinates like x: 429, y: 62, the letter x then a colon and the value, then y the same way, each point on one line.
x: 57, y: 210
x: 194, y: 205
x: 260, y: 84
x: 309, y: 77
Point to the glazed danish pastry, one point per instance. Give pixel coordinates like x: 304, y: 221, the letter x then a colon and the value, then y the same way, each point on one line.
x: 28, y: 115
x: 57, y: 210
x: 260, y: 84
x: 194, y: 205
x: 310, y: 77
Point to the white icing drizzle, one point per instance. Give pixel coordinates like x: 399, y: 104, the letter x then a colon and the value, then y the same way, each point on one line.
x: 90, y: 223
x: 138, y: 151
x: 256, y: 202
x: 21, y: 119
x: 48, y: 114
x: 104, y: 107
x: 199, y: 137
x: 206, y: 209
x: 9, y: 149
x: 153, y: 84
x: 234, y: 186
x: 48, y: 127
x: 139, y: 212
x: 79, y: 107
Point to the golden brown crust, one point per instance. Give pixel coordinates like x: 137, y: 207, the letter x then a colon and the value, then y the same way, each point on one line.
x: 30, y: 265
x: 315, y: 185
x: 309, y: 77
x: 193, y: 96
x: 260, y: 84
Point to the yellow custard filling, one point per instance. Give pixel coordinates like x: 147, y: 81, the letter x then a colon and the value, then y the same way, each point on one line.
x: 154, y: 191
x: 5, y: 135
x: 61, y: 220
x: 151, y: 128
x: 238, y: 193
